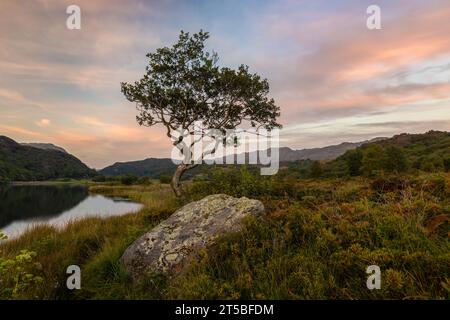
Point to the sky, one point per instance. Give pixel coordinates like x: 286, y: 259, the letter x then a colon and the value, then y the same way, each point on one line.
x: 333, y: 78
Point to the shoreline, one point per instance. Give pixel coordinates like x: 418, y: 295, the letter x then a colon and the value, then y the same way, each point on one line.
x: 49, y: 183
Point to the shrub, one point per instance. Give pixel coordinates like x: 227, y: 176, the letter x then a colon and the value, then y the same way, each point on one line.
x: 316, y: 170
x: 144, y: 181
x: 99, y: 178
x: 447, y: 164
x: 354, y: 161
x: 128, y: 180
x: 165, y: 179
x: 17, y: 273
x: 373, y: 160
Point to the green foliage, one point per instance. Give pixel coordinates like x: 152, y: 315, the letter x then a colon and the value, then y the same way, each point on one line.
x: 151, y: 167
x: 94, y: 244
x: 447, y: 163
x: 354, y: 161
x: 144, y: 181
x: 4, y: 181
x: 396, y: 160
x: 319, y: 249
x: 429, y: 152
x: 24, y: 163
x: 99, y: 178
x: 17, y: 273
x: 316, y: 170
x: 128, y: 180
x: 373, y: 160
x: 183, y: 84
x: 164, y: 179
x: 315, y: 242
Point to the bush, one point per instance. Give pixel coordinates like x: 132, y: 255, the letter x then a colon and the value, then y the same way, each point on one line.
x: 128, y: 180
x: 17, y: 273
x: 99, y: 178
x: 447, y: 164
x: 165, y: 179
x: 144, y: 181
x: 316, y: 170
x: 4, y: 181
x: 354, y: 161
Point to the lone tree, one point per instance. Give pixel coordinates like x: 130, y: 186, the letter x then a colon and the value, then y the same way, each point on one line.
x: 183, y: 85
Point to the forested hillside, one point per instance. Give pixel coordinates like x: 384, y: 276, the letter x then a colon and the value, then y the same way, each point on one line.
x: 21, y: 163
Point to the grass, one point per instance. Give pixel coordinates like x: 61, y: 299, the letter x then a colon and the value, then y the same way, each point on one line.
x: 315, y: 242
x: 90, y: 241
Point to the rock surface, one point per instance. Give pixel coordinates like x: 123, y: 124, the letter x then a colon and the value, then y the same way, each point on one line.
x: 167, y: 247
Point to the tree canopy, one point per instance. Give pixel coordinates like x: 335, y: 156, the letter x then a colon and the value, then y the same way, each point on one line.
x: 184, y: 85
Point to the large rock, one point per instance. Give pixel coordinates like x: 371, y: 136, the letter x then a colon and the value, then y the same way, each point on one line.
x: 167, y: 247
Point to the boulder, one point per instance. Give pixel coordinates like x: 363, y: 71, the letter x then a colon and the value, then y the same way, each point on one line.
x: 167, y: 247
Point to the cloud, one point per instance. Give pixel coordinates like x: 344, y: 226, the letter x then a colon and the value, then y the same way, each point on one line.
x: 333, y: 79
x: 18, y: 98
x: 341, y: 65
x: 25, y: 134
x: 43, y: 123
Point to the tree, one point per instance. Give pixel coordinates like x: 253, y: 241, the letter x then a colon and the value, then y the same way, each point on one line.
x: 184, y: 86
x: 447, y: 163
x: 354, y: 161
x: 373, y: 159
x: 316, y: 169
x: 395, y: 160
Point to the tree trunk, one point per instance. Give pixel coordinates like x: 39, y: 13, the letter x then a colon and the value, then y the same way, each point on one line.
x: 176, y: 183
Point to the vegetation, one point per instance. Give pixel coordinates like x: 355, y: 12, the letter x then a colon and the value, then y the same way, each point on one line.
x: 26, y: 163
x: 185, y: 90
x: 315, y: 243
x: 325, y: 223
x: 151, y: 167
x: 94, y: 244
x: 405, y: 153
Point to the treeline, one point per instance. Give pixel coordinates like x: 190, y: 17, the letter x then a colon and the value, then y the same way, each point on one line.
x: 130, y: 179
x: 405, y: 153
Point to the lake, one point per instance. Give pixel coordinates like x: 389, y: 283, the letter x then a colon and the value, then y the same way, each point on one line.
x: 24, y: 206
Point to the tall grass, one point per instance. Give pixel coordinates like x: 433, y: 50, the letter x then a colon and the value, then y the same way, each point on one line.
x: 315, y: 242
x: 89, y: 242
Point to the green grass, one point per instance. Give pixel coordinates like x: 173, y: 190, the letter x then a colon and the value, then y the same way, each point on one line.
x: 315, y: 242
x: 89, y: 242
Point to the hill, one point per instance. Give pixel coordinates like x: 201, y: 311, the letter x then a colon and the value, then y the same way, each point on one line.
x: 428, y: 152
x: 154, y: 167
x: 24, y: 162
x: 151, y: 167
x: 44, y: 146
x: 322, y: 154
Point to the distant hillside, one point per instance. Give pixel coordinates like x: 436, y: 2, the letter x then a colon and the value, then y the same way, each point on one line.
x: 151, y: 167
x: 154, y: 167
x: 24, y: 162
x: 428, y: 152
x: 325, y: 153
x: 44, y: 146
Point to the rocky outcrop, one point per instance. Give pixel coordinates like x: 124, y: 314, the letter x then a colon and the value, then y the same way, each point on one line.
x: 168, y: 247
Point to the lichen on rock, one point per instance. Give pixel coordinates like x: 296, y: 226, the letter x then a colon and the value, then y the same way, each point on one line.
x: 168, y: 246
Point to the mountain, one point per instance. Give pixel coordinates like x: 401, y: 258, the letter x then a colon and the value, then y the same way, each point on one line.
x: 405, y: 152
x: 151, y: 167
x: 417, y: 147
x: 24, y: 162
x: 325, y: 153
x: 154, y: 167
x: 44, y: 146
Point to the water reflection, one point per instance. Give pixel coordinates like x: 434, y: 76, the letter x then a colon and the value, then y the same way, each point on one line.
x: 24, y: 206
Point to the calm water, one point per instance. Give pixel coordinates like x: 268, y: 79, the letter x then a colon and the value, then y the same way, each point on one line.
x: 25, y: 206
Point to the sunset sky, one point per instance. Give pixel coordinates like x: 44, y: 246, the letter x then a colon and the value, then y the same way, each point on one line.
x: 334, y: 79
